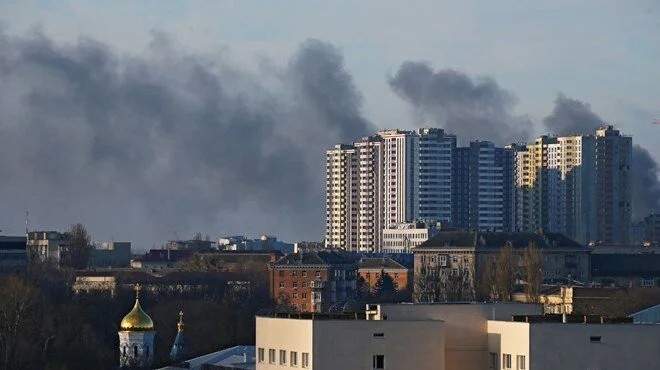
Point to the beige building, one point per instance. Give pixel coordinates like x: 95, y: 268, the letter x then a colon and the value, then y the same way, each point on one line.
x: 467, y: 336
x: 354, y: 183
x: 554, y: 345
x: 318, y: 342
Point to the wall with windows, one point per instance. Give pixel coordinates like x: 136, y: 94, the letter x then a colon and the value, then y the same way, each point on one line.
x: 508, y: 345
x: 349, y: 344
x: 550, y: 346
x: 594, y: 346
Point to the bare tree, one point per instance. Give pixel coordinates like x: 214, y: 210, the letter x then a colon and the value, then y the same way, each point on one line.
x: 79, y: 246
x: 427, y: 285
x: 444, y: 285
x: 19, y: 300
x: 533, y: 261
x: 486, y: 289
x: 504, y: 273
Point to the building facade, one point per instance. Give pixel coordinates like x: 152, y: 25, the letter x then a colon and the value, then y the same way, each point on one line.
x: 48, y: 246
x: 313, y: 281
x: 370, y: 270
x: 464, y: 336
x: 403, y: 238
x: 467, y: 253
x: 483, y: 187
x: 613, y: 186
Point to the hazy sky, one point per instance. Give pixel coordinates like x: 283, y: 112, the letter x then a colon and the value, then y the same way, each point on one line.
x: 603, y: 53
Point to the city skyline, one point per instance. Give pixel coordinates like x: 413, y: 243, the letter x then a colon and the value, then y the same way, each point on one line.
x: 152, y: 127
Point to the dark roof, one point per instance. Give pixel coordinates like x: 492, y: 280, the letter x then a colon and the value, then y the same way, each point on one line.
x: 12, y: 243
x: 163, y: 255
x: 331, y: 257
x: 487, y: 239
x: 187, y: 277
x: 645, y: 265
x: 378, y: 263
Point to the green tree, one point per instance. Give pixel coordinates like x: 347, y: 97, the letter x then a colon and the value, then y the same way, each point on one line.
x: 385, y: 287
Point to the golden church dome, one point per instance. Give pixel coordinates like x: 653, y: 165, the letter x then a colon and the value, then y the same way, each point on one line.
x: 137, y: 319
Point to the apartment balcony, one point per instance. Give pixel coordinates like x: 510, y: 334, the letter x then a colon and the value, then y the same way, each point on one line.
x: 317, y: 284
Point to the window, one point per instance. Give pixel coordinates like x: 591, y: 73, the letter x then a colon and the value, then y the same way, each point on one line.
x: 520, y: 362
x: 295, y: 295
x: 281, y: 272
x: 379, y: 361
x: 304, y: 307
x: 281, y: 285
x: 294, y: 273
x: 304, y: 273
x: 455, y: 259
x: 282, y: 357
x: 492, y: 364
x: 442, y: 260
x: 261, y: 355
x: 506, y: 361
x: 295, y: 285
x: 304, y: 295
x: 595, y: 339
x: 305, y: 359
x: 304, y: 284
x: 294, y: 358
x: 318, y: 273
x: 379, y: 335
x: 271, y: 356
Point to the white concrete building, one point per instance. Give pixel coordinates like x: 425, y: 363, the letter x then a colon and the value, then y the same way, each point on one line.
x: 404, y: 237
x: 400, y: 176
x: 314, y: 343
x: 465, y: 336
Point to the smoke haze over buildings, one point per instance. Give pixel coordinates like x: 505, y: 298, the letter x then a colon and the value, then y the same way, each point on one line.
x: 143, y: 146
x: 469, y: 108
x: 146, y: 146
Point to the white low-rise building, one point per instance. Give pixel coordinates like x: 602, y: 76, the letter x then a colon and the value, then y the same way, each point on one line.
x: 404, y: 237
x: 454, y: 336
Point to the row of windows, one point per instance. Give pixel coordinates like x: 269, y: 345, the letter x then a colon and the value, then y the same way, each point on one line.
x: 521, y: 362
x: 293, y: 357
x: 302, y: 273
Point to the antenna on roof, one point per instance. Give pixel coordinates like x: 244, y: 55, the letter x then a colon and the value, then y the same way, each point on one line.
x: 27, y: 214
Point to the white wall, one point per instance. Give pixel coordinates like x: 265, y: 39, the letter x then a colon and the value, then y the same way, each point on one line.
x: 568, y: 346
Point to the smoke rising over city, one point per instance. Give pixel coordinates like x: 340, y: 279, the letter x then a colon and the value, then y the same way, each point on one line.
x: 165, y: 143
x: 469, y: 108
x: 145, y: 146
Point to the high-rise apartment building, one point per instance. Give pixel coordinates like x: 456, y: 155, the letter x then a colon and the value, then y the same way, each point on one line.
x: 577, y: 185
x: 341, y: 178
x: 613, y: 186
x: 354, y: 195
x: 483, y: 187
x: 400, y: 165
x: 433, y: 198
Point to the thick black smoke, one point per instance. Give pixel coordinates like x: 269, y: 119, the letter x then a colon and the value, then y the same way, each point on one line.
x: 570, y: 116
x: 470, y: 109
x: 142, y: 146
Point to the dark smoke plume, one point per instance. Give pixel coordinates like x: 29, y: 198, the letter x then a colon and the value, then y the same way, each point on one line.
x: 142, y: 146
x: 571, y: 116
x: 469, y: 108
